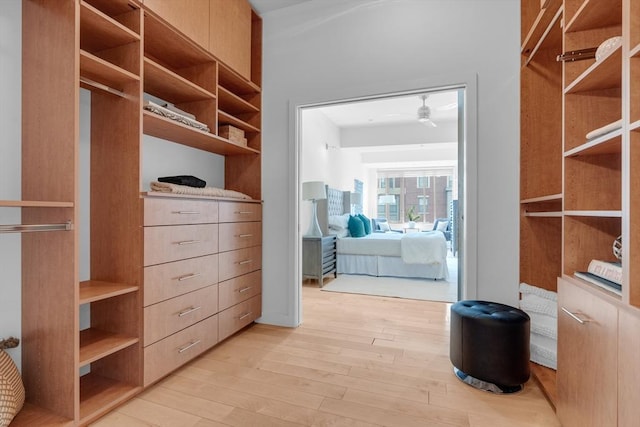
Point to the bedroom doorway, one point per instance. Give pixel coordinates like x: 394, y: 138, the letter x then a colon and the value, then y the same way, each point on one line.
x: 397, y: 156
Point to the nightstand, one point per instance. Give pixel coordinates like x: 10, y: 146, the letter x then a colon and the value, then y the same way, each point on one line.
x: 319, y: 257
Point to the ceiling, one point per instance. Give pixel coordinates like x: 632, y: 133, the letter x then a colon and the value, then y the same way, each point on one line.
x: 393, y: 110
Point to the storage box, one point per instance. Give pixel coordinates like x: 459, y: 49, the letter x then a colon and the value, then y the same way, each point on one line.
x: 232, y: 134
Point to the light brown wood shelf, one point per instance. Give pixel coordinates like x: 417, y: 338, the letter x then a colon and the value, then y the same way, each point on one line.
x: 549, y: 214
x: 189, y: 196
x: 94, y: 290
x: 101, y: 71
x: 551, y: 38
x: 610, y: 143
x: 232, y: 103
x: 540, y: 27
x: 549, y: 198
x: 635, y: 126
x: 546, y: 379
x: 96, y: 344
x: 168, y: 129
x: 594, y: 213
x: 164, y: 83
x: 99, y: 31
x: 605, y: 74
x: 225, y: 118
x: 594, y: 14
x: 113, y: 7
x: 236, y: 83
x: 634, y: 52
x: 31, y: 415
x: 34, y: 204
x: 99, y: 395
x: 171, y: 48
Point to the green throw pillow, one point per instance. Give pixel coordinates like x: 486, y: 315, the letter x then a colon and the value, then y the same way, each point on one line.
x: 367, y: 223
x: 356, y: 226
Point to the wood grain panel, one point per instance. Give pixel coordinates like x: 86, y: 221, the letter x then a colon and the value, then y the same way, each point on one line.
x: 239, y: 212
x: 239, y: 235
x: 169, y: 280
x: 191, y: 17
x: 238, y: 289
x: 179, y: 211
x: 240, y: 315
x: 172, y: 243
x: 239, y: 262
x: 230, y: 34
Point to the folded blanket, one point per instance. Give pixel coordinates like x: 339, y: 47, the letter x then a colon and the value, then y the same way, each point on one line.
x: 166, y: 187
x: 429, y: 247
x: 544, y: 351
x: 534, y: 303
x: 544, y: 325
x: 525, y: 288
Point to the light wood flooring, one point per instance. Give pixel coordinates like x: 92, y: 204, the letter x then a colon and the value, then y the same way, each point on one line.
x: 356, y: 361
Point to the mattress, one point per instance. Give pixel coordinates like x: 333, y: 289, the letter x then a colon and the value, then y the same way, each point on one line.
x: 382, y: 244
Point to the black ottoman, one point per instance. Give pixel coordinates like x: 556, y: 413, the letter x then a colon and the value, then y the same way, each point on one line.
x: 489, y: 345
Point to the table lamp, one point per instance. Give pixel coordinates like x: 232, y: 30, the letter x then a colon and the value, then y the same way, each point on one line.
x: 314, y: 191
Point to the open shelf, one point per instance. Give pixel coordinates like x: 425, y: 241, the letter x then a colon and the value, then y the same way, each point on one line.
x: 236, y: 83
x: 98, y: 395
x: 610, y: 143
x: 31, y: 415
x: 93, y: 290
x: 594, y: 14
x: 547, y: 17
x: 234, y: 104
x: 100, y: 32
x: 96, y: 344
x: 228, y: 119
x: 605, y: 74
x: 104, y: 72
x: 549, y: 198
x: 165, y: 84
x: 168, y: 129
x: 34, y: 204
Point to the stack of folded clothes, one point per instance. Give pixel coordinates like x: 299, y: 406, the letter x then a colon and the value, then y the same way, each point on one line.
x: 542, y: 307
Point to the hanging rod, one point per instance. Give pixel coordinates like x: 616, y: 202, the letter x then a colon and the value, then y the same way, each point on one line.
x: 27, y: 228
x: 577, y: 55
x: 102, y: 87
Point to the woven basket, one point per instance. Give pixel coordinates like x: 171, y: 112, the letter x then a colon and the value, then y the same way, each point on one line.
x: 11, y: 389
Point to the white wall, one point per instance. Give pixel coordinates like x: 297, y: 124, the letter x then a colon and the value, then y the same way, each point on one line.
x: 334, y: 49
x: 10, y: 167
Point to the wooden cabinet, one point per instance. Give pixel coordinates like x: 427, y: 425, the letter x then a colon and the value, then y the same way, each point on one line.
x: 598, y: 198
x: 122, y: 51
x: 319, y: 257
x: 587, y: 362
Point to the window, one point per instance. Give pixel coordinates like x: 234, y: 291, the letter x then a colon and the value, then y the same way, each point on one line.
x: 424, y: 182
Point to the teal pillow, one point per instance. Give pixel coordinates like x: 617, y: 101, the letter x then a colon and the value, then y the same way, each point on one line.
x: 356, y: 226
x: 367, y: 223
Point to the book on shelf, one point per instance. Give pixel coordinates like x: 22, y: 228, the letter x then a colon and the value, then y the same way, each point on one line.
x: 607, y: 270
x: 599, y: 281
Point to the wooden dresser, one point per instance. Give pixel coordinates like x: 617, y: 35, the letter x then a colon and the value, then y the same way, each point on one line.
x: 202, y: 279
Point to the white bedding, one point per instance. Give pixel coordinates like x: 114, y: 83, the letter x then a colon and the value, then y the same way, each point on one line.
x: 414, y: 248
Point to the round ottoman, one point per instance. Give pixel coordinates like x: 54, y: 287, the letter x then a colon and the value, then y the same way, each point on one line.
x: 489, y: 345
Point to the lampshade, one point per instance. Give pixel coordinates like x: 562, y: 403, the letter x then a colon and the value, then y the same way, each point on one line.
x: 356, y: 198
x: 313, y: 190
x: 387, y: 199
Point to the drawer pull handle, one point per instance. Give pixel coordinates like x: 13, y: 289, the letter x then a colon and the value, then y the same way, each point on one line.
x: 581, y: 320
x: 245, y: 289
x: 186, y: 212
x: 244, y: 316
x: 243, y: 212
x: 188, y: 276
x: 189, y: 310
x: 248, y: 261
x: 245, y: 235
x: 188, y: 242
x: 188, y: 346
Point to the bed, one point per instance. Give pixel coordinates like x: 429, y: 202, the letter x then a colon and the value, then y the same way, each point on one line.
x: 417, y: 255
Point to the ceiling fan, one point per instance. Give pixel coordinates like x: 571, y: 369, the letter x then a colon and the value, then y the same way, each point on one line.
x: 424, y: 113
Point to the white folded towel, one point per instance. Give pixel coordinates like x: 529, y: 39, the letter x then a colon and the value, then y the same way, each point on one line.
x: 166, y: 187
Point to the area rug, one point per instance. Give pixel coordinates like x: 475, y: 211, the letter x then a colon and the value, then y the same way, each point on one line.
x: 421, y: 289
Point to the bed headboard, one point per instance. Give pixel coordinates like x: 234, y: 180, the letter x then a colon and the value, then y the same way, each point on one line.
x: 338, y: 202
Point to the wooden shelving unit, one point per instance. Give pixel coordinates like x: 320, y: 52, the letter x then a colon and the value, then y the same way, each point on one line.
x: 125, y: 49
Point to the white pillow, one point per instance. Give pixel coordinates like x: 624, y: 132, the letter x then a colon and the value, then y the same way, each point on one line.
x: 384, y: 226
x: 338, y: 222
x: 442, y: 226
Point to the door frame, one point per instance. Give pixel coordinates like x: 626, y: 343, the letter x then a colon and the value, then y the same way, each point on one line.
x: 467, y: 170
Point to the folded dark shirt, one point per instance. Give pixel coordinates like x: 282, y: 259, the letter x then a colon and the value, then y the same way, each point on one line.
x: 188, y: 180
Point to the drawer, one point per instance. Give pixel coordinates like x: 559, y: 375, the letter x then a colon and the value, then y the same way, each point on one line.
x: 170, y: 316
x: 328, y: 245
x: 241, y: 261
x: 238, y: 289
x: 177, y: 349
x: 237, y: 235
x: 237, y: 317
x: 239, y: 211
x: 175, y: 242
x: 160, y: 211
x: 165, y: 281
